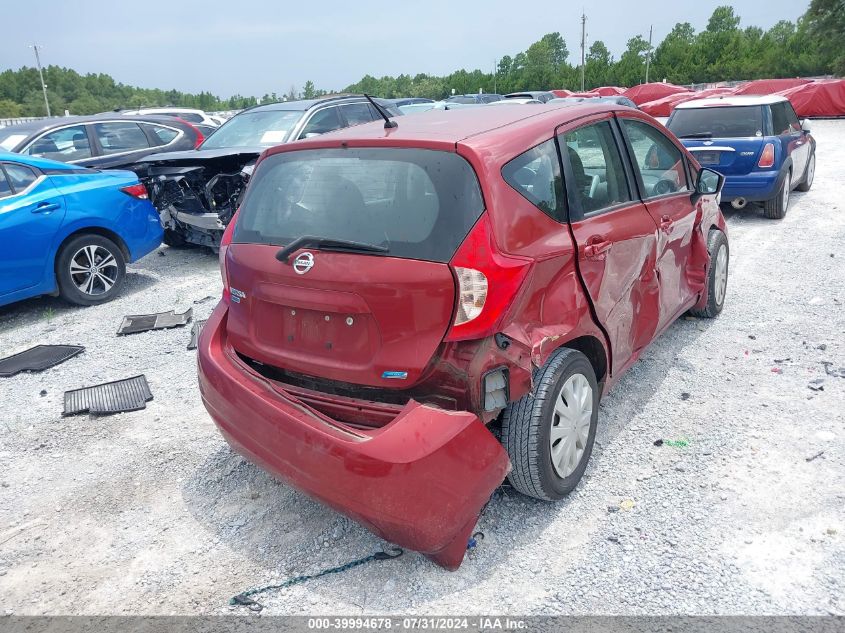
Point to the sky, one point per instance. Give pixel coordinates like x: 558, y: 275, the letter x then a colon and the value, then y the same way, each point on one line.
x: 263, y: 46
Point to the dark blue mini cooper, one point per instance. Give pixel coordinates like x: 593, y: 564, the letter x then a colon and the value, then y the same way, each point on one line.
x: 757, y: 143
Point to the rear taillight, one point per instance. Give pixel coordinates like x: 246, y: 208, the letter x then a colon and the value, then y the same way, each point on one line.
x: 200, y: 136
x: 487, y: 284
x: 136, y: 191
x: 767, y: 156
x: 224, y: 247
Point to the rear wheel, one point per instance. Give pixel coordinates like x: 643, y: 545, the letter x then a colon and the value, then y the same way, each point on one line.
x: 549, y: 433
x: 775, y: 209
x: 717, y: 276
x: 90, y: 270
x: 809, y: 174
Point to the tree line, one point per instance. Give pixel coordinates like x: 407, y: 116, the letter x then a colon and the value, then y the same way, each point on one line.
x: 724, y: 50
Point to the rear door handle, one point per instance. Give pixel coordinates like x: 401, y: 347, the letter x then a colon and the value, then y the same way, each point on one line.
x: 666, y: 223
x: 46, y: 207
x: 597, y: 248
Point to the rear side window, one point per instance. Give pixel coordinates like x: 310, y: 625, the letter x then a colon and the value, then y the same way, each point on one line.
x: 717, y: 122
x: 164, y: 134
x: 536, y: 175
x: 600, y: 181
x: 20, y: 177
x: 784, y: 120
x: 658, y: 160
x: 357, y: 113
x: 420, y: 204
x: 190, y: 117
x: 115, y: 138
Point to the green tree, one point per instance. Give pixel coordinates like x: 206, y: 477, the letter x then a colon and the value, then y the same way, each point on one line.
x: 826, y: 22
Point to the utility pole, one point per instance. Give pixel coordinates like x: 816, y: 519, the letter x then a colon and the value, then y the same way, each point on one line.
x: 583, y: 43
x: 495, y: 74
x: 648, y: 54
x: 41, y: 75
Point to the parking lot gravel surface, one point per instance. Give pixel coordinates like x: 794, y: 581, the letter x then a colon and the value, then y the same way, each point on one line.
x: 740, y: 511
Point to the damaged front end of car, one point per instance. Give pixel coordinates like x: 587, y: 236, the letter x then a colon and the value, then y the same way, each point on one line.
x: 196, y: 193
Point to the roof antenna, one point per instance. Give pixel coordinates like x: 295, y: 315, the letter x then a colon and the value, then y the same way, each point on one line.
x: 388, y: 123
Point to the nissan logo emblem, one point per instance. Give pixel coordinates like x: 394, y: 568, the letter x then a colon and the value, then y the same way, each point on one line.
x: 303, y: 263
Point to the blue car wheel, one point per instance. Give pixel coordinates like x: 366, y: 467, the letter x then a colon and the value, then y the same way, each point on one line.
x: 90, y: 270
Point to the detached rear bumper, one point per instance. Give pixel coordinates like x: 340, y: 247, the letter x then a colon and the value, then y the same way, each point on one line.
x: 419, y: 482
x: 754, y: 187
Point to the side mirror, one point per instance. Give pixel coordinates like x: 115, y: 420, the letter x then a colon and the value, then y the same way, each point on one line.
x: 709, y: 182
x: 805, y: 125
x: 311, y: 135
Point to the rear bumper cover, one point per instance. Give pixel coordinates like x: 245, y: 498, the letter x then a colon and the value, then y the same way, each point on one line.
x: 754, y: 187
x: 420, y: 481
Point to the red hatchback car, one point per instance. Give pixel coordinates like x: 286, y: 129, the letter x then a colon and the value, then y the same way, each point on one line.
x: 412, y: 314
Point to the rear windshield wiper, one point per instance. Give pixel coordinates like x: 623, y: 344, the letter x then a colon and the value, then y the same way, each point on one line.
x: 328, y: 243
x: 697, y: 135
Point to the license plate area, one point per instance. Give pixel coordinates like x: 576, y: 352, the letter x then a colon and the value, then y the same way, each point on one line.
x: 295, y: 331
x: 708, y: 158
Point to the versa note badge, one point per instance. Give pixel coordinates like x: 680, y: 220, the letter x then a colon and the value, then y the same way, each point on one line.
x: 303, y: 263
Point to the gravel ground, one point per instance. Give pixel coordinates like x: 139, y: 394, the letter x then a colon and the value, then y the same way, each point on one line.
x: 150, y: 512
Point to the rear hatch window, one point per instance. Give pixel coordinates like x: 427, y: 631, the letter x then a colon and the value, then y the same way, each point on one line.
x: 418, y: 204
x: 717, y: 122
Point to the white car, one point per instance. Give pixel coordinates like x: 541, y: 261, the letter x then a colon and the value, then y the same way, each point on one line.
x: 514, y: 101
x: 191, y: 115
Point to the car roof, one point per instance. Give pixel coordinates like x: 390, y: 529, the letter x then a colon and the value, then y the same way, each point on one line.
x: 731, y: 100
x: 306, y: 104
x: 40, y: 125
x: 35, y: 161
x: 476, y: 127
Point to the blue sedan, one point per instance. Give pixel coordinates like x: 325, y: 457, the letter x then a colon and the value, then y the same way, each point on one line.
x: 70, y: 231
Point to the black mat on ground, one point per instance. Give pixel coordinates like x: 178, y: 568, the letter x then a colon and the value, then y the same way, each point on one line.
x: 196, y: 330
x: 129, y: 394
x: 38, y: 358
x: 142, y: 322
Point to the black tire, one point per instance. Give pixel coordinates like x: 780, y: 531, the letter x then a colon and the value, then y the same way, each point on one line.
x: 114, y: 271
x: 527, y: 425
x: 715, y: 241
x: 173, y: 239
x: 809, y: 174
x: 775, y: 209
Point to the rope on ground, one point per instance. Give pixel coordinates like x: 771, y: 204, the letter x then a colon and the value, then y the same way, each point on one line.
x: 243, y: 599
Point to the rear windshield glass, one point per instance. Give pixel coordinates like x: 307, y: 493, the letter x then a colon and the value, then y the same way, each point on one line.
x: 717, y: 122
x: 263, y: 128
x: 420, y: 204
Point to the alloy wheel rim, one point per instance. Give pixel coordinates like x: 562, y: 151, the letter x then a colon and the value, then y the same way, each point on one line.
x: 570, y: 425
x: 811, y: 170
x: 786, y: 192
x: 93, y: 270
x: 721, y: 274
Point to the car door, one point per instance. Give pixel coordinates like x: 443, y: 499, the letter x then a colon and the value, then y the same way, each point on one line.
x: 68, y: 144
x: 117, y: 144
x: 31, y: 211
x: 615, y: 235
x: 358, y: 113
x: 798, y: 143
x: 661, y: 173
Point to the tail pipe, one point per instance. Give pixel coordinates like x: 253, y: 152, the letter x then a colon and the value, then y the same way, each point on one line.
x: 739, y: 203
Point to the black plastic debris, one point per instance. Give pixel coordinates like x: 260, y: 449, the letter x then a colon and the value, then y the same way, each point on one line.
x: 142, y: 322
x: 129, y: 394
x: 196, y: 330
x: 817, y: 384
x: 38, y: 358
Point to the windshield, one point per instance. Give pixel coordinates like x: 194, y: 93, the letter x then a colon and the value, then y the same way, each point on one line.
x: 254, y: 129
x: 418, y: 204
x: 10, y: 140
x: 717, y: 122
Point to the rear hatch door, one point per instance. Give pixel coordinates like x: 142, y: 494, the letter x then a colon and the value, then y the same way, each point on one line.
x: 727, y: 138
x: 372, y: 314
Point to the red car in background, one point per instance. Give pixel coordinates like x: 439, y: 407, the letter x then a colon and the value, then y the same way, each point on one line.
x: 413, y: 313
